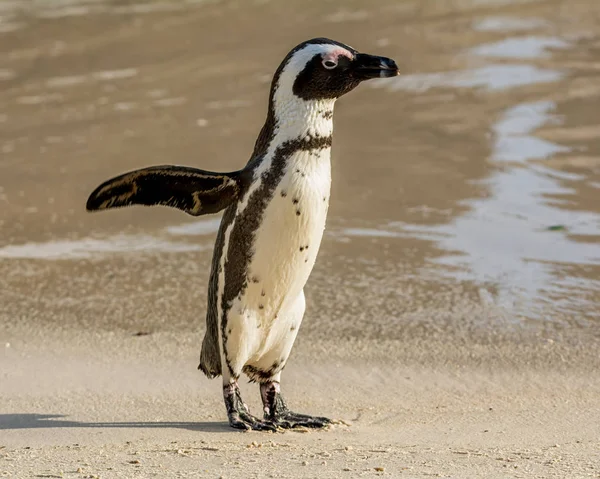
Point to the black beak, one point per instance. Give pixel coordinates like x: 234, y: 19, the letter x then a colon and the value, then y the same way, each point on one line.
x: 370, y: 66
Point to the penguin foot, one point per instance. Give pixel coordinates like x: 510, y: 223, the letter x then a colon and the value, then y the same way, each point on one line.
x: 246, y: 421
x: 278, y: 414
x: 290, y: 420
x: 238, y: 413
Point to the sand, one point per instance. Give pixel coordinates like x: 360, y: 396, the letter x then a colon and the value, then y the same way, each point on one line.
x: 118, y: 405
x: 452, y: 319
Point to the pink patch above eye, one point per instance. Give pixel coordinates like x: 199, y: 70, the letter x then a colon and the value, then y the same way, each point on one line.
x: 333, y: 55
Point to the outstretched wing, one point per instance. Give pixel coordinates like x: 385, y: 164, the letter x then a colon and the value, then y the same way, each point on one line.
x: 197, y: 192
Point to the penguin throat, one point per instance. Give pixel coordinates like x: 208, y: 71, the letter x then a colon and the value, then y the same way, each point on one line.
x: 291, y: 118
x: 296, y: 118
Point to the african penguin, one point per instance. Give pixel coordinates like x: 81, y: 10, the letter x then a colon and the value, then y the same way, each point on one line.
x: 275, y: 211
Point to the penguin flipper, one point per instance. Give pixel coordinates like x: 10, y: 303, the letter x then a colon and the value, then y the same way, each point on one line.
x: 197, y: 192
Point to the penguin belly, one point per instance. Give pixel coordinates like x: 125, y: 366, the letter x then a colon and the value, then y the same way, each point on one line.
x: 263, y: 322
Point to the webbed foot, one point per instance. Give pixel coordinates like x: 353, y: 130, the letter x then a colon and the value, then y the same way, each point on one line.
x: 278, y: 414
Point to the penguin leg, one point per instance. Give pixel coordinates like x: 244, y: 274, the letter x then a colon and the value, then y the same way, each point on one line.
x: 274, y: 406
x: 277, y: 412
x: 234, y: 338
x: 237, y: 411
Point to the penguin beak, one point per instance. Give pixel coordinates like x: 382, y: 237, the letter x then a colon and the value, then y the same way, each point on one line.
x: 370, y: 66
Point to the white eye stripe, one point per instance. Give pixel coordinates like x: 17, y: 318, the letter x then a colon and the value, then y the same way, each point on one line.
x: 329, y: 64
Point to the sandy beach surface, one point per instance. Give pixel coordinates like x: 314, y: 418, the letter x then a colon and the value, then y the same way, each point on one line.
x: 453, y: 319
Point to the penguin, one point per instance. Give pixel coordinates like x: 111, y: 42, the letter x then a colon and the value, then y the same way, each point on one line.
x: 274, y: 217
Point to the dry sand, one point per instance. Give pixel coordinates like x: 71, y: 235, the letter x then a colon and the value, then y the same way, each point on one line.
x: 118, y: 405
x: 452, y: 333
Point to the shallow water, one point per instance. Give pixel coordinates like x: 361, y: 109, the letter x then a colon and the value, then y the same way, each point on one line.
x: 470, y: 183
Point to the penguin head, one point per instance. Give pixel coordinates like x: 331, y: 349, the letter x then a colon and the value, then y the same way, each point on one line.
x: 321, y: 69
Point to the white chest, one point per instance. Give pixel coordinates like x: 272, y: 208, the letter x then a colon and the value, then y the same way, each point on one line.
x: 287, y: 242
x: 262, y: 321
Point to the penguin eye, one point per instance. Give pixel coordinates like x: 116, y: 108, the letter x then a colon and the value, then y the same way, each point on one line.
x: 329, y: 64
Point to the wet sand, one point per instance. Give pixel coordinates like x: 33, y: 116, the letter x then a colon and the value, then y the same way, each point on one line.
x: 452, y: 316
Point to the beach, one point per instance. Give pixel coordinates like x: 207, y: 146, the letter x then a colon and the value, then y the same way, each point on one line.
x: 452, y: 325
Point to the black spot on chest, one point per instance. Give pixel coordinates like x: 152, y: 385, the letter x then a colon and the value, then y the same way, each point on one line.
x: 328, y: 114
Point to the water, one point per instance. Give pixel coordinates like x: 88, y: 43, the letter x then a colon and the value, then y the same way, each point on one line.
x: 94, y: 248
x: 521, y: 47
x: 491, y: 77
x: 477, y: 169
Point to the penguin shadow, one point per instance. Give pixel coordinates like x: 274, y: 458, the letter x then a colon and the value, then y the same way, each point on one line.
x: 41, y: 421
